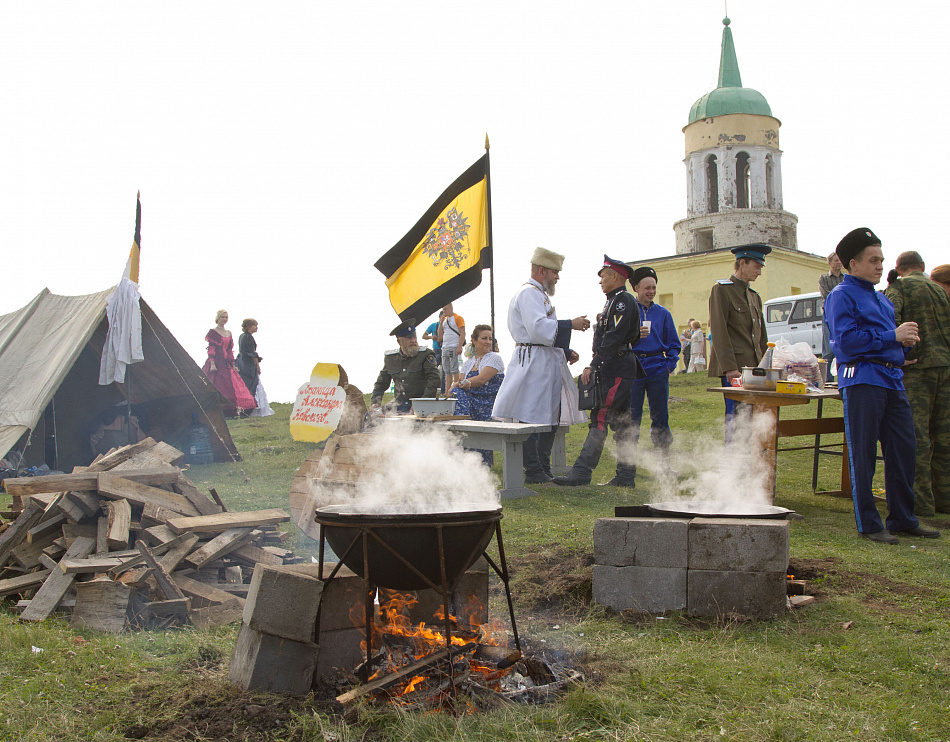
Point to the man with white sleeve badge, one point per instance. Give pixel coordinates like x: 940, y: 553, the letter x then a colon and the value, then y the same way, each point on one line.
x: 538, y: 387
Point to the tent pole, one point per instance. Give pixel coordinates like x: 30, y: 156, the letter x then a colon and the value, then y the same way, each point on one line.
x: 128, y: 403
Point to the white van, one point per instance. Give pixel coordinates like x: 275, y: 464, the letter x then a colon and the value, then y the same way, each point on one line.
x: 796, y: 318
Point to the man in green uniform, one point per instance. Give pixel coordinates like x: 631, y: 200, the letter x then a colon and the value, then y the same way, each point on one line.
x: 735, y: 321
x: 926, y: 379
x: 413, y: 371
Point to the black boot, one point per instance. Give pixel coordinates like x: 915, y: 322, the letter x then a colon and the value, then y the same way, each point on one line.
x: 626, y: 476
x: 586, y: 462
x: 533, y: 469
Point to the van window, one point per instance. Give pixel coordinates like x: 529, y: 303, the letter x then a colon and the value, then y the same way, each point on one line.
x: 820, y: 307
x: 778, y: 312
x: 804, y: 310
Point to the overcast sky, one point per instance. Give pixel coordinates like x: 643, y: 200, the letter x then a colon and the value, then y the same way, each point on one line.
x: 281, y: 148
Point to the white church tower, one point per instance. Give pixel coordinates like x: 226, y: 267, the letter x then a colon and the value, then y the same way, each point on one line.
x: 733, y: 168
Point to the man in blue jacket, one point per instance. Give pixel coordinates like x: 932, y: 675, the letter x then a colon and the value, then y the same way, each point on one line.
x: 870, y: 350
x: 658, y: 350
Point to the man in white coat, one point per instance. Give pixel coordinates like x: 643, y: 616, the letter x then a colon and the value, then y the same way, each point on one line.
x: 538, y: 387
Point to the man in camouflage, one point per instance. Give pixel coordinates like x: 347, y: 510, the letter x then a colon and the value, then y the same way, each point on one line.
x: 926, y: 380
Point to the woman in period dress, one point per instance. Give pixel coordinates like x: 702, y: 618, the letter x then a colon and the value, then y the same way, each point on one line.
x: 249, y: 366
x: 219, y: 367
x: 482, y: 375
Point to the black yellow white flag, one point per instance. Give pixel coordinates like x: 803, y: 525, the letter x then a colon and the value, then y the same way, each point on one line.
x: 442, y: 257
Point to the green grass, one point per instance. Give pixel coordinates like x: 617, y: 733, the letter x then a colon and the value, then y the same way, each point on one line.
x: 870, y: 660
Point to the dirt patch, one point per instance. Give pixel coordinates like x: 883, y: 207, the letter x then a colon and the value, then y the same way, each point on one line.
x: 828, y: 578
x: 552, y: 578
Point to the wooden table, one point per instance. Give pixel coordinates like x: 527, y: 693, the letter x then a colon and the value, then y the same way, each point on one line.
x: 769, y: 403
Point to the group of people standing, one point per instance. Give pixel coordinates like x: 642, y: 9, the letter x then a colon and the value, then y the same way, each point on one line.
x: 239, y: 380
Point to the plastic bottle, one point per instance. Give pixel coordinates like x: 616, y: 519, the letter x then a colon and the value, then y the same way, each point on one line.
x: 766, y: 361
x: 197, y: 443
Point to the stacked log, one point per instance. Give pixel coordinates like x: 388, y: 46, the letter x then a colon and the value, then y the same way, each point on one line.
x: 130, y: 542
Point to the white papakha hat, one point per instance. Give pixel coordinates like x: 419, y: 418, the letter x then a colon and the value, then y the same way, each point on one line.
x: 547, y: 259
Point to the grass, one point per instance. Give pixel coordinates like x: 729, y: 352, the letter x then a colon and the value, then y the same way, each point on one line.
x: 869, y: 660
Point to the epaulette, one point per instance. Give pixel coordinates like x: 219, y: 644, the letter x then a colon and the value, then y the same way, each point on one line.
x: 390, y: 352
x: 753, y: 291
x: 725, y: 281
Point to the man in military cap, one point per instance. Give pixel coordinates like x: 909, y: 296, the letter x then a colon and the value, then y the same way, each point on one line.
x: 618, y: 326
x: 538, y: 387
x: 871, y: 349
x: 927, y: 382
x: 413, y: 371
x: 735, y: 321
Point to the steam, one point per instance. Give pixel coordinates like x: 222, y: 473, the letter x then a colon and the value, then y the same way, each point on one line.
x: 729, y: 477
x: 404, y: 468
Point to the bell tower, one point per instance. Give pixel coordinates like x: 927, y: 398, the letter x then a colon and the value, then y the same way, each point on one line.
x: 733, y: 168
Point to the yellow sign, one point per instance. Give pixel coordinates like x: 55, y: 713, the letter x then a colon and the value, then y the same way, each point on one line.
x: 319, y: 404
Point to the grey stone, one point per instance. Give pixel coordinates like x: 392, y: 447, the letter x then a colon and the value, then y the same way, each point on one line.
x: 738, y: 545
x: 648, y: 589
x: 283, y: 603
x: 753, y: 594
x: 339, y: 649
x: 641, y: 542
x: 271, y: 663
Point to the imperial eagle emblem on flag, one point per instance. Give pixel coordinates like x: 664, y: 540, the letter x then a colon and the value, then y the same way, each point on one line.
x: 442, y: 257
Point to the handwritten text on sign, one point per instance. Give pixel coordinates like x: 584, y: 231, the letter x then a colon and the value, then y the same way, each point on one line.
x: 319, y: 405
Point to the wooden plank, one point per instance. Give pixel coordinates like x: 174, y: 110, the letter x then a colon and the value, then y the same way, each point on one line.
x: 823, y: 426
x: 120, y: 518
x: 102, y: 605
x: 161, y: 454
x: 165, y: 608
x: 15, y: 534
x: 204, y: 504
x: 88, y: 502
x: 226, y: 521
x: 153, y: 515
x: 114, y: 486
x: 71, y: 510
x: 88, y: 565
x: 55, y: 550
x: 159, y: 534
x: 251, y: 555
x: 15, y: 585
x: 222, y: 544
x: 102, y: 534
x: 179, y: 551
x: 71, y: 532
x: 87, y: 481
x: 28, y: 555
x: 135, y: 557
x: 110, y: 460
x: 203, y: 594
x: 56, y: 585
x: 46, y: 527
x: 217, y: 498
x: 165, y: 582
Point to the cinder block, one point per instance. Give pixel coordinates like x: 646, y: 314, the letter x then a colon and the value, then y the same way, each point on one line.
x: 272, y: 663
x: 641, y: 542
x: 283, y: 603
x: 339, y: 649
x: 648, y: 589
x: 341, y: 605
x: 738, y: 545
x: 753, y: 594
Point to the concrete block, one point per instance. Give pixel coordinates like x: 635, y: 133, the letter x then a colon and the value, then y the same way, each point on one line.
x: 641, y: 542
x: 339, y: 649
x: 738, y: 545
x: 272, y: 663
x: 648, y: 589
x: 753, y: 594
x: 283, y: 603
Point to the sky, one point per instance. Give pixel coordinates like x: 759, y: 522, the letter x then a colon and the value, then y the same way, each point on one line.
x: 282, y: 148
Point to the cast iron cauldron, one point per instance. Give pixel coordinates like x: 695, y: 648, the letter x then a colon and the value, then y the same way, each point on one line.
x: 392, y: 540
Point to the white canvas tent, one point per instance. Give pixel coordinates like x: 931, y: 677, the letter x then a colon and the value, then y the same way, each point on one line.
x: 49, y: 393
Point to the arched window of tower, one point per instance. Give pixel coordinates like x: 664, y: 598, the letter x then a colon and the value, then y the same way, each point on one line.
x: 743, y: 180
x: 712, y: 184
x: 769, y: 186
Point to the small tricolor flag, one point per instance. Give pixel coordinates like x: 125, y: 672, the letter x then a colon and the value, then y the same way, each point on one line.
x: 442, y: 257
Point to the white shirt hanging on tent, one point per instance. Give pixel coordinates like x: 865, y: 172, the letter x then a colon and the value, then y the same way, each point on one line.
x: 123, y: 345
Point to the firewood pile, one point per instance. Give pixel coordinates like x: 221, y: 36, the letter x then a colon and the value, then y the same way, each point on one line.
x: 130, y: 542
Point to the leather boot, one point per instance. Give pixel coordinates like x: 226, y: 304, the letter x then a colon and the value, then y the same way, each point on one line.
x: 626, y: 476
x: 586, y: 462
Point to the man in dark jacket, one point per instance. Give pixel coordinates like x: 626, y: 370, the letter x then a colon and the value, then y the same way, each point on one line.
x: 618, y: 326
x: 927, y: 381
x: 412, y: 370
x: 870, y: 350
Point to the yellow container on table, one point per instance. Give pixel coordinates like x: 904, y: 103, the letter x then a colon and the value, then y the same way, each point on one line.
x: 791, y: 387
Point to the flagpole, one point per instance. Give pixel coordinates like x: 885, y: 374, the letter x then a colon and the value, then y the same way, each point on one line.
x: 491, y: 247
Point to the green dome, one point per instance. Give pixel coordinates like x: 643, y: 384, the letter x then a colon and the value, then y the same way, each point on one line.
x: 729, y: 96
x: 721, y: 101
